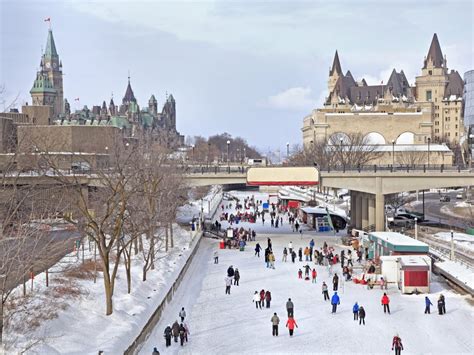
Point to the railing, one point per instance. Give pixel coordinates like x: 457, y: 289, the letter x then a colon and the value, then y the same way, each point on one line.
x: 394, y: 168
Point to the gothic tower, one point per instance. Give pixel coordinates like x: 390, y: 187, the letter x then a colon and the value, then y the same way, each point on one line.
x: 334, y: 73
x: 53, y: 69
x: 153, y: 105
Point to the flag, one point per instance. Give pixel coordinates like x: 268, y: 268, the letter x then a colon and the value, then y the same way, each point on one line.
x: 76, y: 99
x: 47, y: 19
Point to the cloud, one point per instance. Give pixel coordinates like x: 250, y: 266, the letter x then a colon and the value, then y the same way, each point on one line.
x: 297, y: 98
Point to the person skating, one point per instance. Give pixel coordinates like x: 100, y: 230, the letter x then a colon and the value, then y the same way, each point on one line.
x: 228, y: 283
x: 182, y: 334
x: 441, y: 305
x: 271, y: 260
x: 216, y: 257
x: 293, y: 256
x: 285, y: 254
x: 290, y: 247
x: 325, y: 291
x: 297, y: 226
x: 291, y: 324
x: 306, y: 254
x: 275, y: 321
x: 300, y: 274
x: 355, y: 311
x: 175, y: 331
x: 267, y: 252
x: 236, y: 277
x: 256, y: 299
x: 313, y: 275
x: 428, y: 304
x: 182, y: 314
x: 269, y: 242
x: 361, y: 315
x: 300, y: 254
x: 335, y: 282
x: 272, y: 222
x: 262, y: 297
x: 342, y: 258
x: 307, y: 269
x: 155, y: 352
x: 335, y: 301
x: 257, y: 249
x: 386, y: 303
x: 290, y: 307
x: 268, y: 298
x: 397, y: 344
x: 168, y: 333
x: 230, y: 271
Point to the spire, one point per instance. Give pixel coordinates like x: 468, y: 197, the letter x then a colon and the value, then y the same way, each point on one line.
x: 336, y: 66
x: 129, y: 96
x: 50, y: 46
x: 434, y: 53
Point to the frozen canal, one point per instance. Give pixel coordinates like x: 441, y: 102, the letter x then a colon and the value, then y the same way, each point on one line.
x: 223, y: 324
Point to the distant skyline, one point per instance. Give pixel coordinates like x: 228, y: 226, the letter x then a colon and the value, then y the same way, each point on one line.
x: 252, y: 69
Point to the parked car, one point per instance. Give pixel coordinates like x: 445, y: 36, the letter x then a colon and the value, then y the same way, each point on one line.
x: 459, y: 196
x: 401, y: 221
x: 411, y: 216
x: 444, y: 198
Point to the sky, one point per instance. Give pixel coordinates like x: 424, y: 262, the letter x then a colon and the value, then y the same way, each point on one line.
x: 251, y: 68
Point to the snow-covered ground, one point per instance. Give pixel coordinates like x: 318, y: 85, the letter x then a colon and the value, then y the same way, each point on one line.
x: 462, y: 239
x: 462, y: 273
x: 226, y: 324
x: 207, y: 204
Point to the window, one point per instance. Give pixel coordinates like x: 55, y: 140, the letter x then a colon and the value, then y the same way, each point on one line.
x: 456, y: 134
x: 428, y: 95
x: 436, y: 123
x: 430, y: 72
x: 436, y: 130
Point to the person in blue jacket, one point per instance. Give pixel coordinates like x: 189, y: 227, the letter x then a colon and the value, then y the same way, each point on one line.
x: 335, y: 301
x: 355, y: 310
x: 428, y: 304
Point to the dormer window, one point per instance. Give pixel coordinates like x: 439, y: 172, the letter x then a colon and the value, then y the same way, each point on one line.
x: 430, y: 72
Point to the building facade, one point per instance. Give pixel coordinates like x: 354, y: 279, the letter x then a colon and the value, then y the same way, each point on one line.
x: 394, y: 112
x: 469, y: 112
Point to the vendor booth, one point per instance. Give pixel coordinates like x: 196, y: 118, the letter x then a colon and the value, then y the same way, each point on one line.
x: 392, y: 243
x: 414, y: 275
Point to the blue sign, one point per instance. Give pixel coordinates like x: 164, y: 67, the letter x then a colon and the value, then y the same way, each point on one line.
x: 265, y: 206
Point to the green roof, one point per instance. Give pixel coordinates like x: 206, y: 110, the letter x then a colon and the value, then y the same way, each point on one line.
x: 147, y: 119
x: 42, y: 84
x: 119, y: 121
x: 50, y: 46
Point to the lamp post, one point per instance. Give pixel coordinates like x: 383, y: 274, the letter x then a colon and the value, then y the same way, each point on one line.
x: 287, y: 151
x: 429, y: 142
x: 208, y: 154
x: 393, y: 152
x: 341, y: 141
x: 416, y: 228
x: 451, y: 256
x: 228, y: 162
x: 245, y: 155
x: 193, y: 154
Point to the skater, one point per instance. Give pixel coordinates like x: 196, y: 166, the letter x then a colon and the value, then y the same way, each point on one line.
x: 267, y: 253
x: 230, y: 272
x: 335, y: 282
x: 289, y: 307
x: 307, y: 269
x: 290, y: 247
x: 313, y: 275
x: 300, y: 254
x: 428, y: 304
x: 383, y: 283
x: 256, y: 299
x: 257, y: 249
x: 385, y: 303
x: 300, y: 274
x: 291, y: 324
x: 182, y: 314
x: 155, y: 351
x: 271, y: 260
x: 275, y: 321
x: 175, y: 331
x: 269, y: 241
x: 293, y: 256
x: 335, y: 301
x: 325, y: 291
x: 262, y: 297
x: 342, y: 258
x: 397, y: 345
x: 306, y: 254
x: 268, y: 298
x: 361, y: 315
x: 216, y: 257
x: 168, y: 333
x: 441, y: 305
x: 355, y: 310
x: 285, y: 254
x: 228, y: 283
x: 236, y: 277
x: 182, y: 334
x: 297, y: 226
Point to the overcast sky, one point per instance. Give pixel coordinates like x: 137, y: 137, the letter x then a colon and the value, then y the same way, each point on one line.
x: 250, y: 68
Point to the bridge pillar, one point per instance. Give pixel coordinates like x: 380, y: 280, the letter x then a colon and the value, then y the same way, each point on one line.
x: 371, y: 210
x: 353, y: 208
x: 358, y: 210
x: 379, y: 206
x: 365, y: 212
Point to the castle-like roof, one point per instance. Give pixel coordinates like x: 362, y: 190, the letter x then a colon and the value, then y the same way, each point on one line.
x: 455, y: 85
x: 336, y: 65
x: 50, y: 51
x: 129, y: 96
x: 434, y: 54
x: 42, y: 84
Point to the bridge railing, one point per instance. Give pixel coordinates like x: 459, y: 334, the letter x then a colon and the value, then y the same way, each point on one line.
x: 395, y: 168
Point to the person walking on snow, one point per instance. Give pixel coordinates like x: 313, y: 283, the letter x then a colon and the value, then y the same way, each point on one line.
x: 182, y: 314
x: 428, y: 304
x: 285, y: 254
x: 355, y: 310
x: 275, y: 321
x: 256, y: 299
x: 385, y: 303
x: 307, y: 269
x: 335, y: 301
x: 168, y: 333
x: 397, y: 344
x: 291, y: 324
x: 230, y: 272
x: 155, y: 351
x: 257, y: 249
x: 300, y: 274
x: 289, y: 307
x: 297, y: 226
x: 290, y: 247
x: 268, y: 298
x: 262, y: 297
x: 441, y: 305
x: 300, y: 254
x: 306, y: 254
x: 335, y: 282
x: 175, y: 331
x: 325, y: 291
x: 293, y: 256
x: 216, y: 257
x: 313, y: 276
x: 228, y: 283
x: 236, y: 277
x: 182, y: 334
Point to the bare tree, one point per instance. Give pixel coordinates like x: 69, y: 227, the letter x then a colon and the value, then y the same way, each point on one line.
x: 411, y: 158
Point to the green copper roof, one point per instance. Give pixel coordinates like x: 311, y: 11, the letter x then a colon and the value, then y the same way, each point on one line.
x: 50, y: 46
x: 147, y: 119
x: 119, y: 121
x: 42, y: 84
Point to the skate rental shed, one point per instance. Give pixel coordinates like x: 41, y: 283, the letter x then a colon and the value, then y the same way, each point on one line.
x: 414, y: 275
x: 393, y: 243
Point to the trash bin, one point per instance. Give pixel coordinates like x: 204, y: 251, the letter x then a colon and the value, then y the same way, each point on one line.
x: 221, y: 244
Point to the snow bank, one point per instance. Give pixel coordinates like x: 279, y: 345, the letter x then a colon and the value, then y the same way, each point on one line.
x: 462, y: 273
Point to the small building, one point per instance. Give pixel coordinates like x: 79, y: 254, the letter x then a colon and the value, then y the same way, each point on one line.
x: 317, y: 218
x: 411, y: 273
x: 392, y: 243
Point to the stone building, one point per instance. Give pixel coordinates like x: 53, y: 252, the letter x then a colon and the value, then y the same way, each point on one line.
x: 395, y: 112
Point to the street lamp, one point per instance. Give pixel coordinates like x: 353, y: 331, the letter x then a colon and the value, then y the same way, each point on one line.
x: 208, y: 154
x: 192, y: 146
x: 451, y: 256
x: 228, y: 162
x: 429, y: 141
x: 287, y: 150
x: 416, y: 228
x: 393, y: 153
x: 245, y: 155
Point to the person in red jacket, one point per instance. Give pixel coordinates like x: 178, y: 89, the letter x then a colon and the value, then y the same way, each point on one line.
x: 313, y: 275
x: 291, y: 324
x: 397, y: 345
x: 268, y: 298
x: 385, y: 303
x: 262, y: 297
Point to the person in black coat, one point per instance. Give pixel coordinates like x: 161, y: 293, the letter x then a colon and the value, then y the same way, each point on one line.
x: 236, y: 277
x: 361, y: 315
x: 230, y: 271
x: 168, y: 336
x: 335, y: 282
